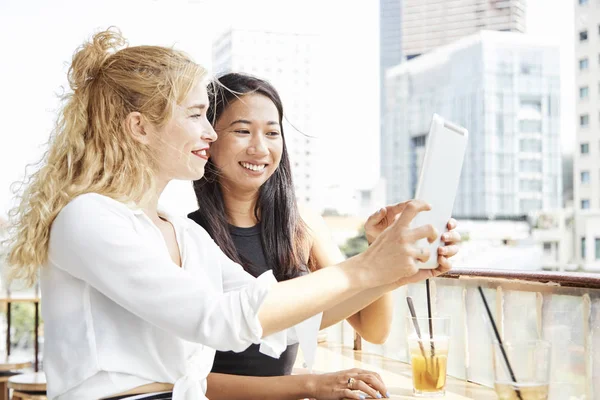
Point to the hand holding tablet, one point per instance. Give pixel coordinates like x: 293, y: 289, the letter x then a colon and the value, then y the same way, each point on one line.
x: 439, y: 179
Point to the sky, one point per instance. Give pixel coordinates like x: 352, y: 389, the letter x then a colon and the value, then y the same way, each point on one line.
x: 38, y: 38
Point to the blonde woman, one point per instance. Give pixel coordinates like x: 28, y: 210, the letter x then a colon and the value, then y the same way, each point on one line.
x: 136, y: 300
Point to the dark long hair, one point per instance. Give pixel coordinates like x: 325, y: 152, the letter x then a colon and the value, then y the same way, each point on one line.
x: 283, y: 233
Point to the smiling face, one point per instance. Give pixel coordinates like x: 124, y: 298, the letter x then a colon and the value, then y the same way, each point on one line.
x: 250, y: 143
x: 180, y: 147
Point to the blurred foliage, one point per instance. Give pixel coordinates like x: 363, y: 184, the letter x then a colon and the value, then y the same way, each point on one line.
x: 355, y: 245
x: 22, y: 324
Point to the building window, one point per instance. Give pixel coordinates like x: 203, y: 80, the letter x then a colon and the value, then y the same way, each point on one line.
x: 583, y: 36
x: 583, y: 64
x: 584, y: 120
x: 597, y: 248
x: 530, y: 145
x: 531, y: 105
x: 530, y: 166
x: 547, y: 247
x: 530, y: 185
x: 584, y: 92
x: 500, y: 124
x: 585, y: 148
x: 583, y: 248
x: 585, y: 176
x: 585, y: 204
x: 529, y: 205
x: 530, y: 126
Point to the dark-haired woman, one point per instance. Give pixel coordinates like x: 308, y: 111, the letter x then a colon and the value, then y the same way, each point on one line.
x: 247, y: 204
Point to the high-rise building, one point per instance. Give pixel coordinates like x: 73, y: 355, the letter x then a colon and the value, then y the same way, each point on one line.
x: 286, y: 60
x: 587, y: 86
x: 409, y: 28
x: 390, y: 49
x: 586, y: 155
x: 504, y: 87
x: 427, y: 24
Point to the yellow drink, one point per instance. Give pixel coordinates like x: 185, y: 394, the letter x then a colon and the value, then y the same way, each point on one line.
x: 428, y: 343
x: 529, y: 391
x: 526, y: 362
x: 429, y: 366
x: 429, y: 375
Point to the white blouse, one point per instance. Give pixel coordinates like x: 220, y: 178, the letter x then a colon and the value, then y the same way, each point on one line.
x: 118, y: 313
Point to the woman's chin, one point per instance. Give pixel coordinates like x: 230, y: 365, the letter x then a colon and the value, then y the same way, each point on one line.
x: 247, y: 185
x: 191, y: 175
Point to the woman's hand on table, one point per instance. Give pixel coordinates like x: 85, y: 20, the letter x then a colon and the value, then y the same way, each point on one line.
x: 355, y: 383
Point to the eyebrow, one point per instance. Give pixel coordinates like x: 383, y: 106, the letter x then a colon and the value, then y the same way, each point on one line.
x: 245, y: 121
x: 200, y: 106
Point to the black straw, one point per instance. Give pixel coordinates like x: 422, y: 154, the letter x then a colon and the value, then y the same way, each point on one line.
x: 489, y: 313
x: 430, y: 320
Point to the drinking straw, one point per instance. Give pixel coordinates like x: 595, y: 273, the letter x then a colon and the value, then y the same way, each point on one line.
x: 493, y: 322
x: 411, y: 308
x: 430, y: 320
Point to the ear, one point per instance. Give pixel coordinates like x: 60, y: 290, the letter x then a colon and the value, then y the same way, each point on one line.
x: 137, y: 126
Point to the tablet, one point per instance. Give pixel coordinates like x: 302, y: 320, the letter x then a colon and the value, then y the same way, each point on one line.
x: 439, y: 179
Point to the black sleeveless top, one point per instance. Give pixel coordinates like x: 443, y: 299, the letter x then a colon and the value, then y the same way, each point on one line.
x: 251, y: 362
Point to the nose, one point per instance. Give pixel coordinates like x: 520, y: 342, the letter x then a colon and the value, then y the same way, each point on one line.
x: 258, y: 146
x: 209, y: 134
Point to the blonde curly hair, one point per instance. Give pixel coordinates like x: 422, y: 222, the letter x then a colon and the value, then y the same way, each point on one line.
x: 91, y: 149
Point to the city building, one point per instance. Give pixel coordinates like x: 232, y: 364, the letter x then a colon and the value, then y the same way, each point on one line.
x: 504, y: 87
x: 390, y: 51
x: 586, y: 157
x: 428, y: 24
x: 553, y: 232
x: 346, y: 201
x: 287, y: 61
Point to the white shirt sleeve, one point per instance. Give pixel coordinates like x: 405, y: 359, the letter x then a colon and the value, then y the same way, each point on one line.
x: 305, y: 333
x: 96, y: 241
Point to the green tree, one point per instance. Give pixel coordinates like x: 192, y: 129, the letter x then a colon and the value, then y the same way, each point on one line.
x: 355, y: 245
x: 22, y: 323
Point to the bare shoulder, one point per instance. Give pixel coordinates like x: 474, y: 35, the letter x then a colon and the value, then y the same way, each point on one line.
x: 310, y: 217
x: 316, y: 227
x: 315, y: 223
x: 322, y: 245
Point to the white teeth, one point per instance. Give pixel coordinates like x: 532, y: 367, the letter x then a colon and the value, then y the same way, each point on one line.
x: 202, y: 152
x: 252, y: 166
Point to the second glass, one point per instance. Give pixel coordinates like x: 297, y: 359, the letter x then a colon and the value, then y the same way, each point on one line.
x: 428, y: 342
x: 526, y: 375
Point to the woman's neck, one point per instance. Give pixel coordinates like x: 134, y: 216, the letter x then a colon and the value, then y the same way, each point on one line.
x: 151, y: 206
x: 240, y: 208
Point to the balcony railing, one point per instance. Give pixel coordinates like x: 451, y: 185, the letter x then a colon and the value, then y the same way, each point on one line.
x: 561, y: 308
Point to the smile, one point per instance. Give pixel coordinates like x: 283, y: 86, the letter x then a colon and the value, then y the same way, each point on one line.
x: 253, y: 167
x: 201, y: 153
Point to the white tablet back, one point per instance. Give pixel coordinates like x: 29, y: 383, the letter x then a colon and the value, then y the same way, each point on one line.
x: 439, y: 179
